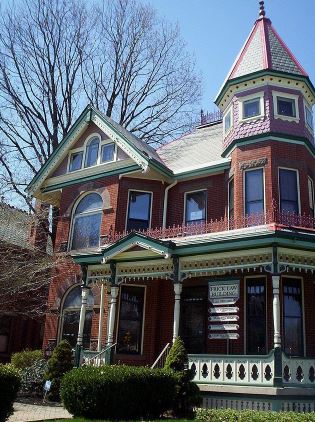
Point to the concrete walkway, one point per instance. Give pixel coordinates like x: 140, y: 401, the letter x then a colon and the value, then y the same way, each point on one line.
x: 33, y: 412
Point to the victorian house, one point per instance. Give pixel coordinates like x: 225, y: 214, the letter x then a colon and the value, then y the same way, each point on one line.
x: 210, y: 237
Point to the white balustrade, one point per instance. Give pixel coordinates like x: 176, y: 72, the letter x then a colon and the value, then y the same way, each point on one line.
x: 233, y: 369
x: 298, y: 371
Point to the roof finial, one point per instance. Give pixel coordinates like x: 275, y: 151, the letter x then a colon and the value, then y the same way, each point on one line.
x: 262, y: 12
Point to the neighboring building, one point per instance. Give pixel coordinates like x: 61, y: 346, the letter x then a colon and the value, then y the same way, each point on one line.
x: 20, y: 327
x: 210, y: 236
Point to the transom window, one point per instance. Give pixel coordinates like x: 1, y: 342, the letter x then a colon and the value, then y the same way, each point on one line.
x: 129, y: 336
x: 86, y: 222
x: 96, y: 152
x: 71, y: 317
x: 286, y: 107
x: 195, y: 207
x: 288, y: 184
x: 292, y: 317
x: 254, y: 192
x: 139, y: 210
x: 251, y: 108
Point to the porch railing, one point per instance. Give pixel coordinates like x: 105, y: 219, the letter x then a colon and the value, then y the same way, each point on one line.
x: 92, y: 358
x: 273, y: 216
x: 233, y: 369
x: 298, y: 371
x: 160, y: 360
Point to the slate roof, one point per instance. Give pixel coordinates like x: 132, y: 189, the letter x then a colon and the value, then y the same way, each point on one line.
x: 265, y: 50
x: 197, y: 149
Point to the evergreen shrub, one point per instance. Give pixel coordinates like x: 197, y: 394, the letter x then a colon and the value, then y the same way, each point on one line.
x: 26, y: 358
x: 229, y: 415
x: 61, y: 361
x: 187, y: 392
x: 118, y: 392
x: 33, y: 378
x: 9, y: 387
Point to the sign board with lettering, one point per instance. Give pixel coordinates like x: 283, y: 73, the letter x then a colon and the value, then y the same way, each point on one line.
x: 224, y: 292
x: 223, y: 327
x: 223, y: 336
x: 226, y: 310
x: 223, y: 318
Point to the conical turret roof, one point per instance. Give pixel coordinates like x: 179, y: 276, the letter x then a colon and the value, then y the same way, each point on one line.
x: 265, y: 50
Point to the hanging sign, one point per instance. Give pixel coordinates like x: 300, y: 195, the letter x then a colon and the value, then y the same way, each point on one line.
x: 225, y: 292
x: 223, y: 318
x: 223, y: 327
x: 226, y: 310
x: 223, y: 336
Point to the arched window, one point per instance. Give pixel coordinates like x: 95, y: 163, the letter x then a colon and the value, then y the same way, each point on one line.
x: 91, y: 154
x: 71, y: 317
x: 86, y: 223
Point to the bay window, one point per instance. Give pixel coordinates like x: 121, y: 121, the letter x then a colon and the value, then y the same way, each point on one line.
x: 292, y: 316
x: 129, y: 337
x: 254, y: 192
x: 256, y: 316
x: 288, y: 185
x: 139, y: 210
x: 195, y: 207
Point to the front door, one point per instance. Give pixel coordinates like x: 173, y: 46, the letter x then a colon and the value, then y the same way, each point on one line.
x: 193, y: 319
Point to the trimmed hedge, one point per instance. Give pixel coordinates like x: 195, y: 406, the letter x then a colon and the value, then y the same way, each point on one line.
x: 9, y: 387
x: 26, y: 358
x: 118, y: 392
x: 229, y: 415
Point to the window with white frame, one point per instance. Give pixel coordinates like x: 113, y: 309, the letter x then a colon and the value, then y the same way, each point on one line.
x: 86, y: 222
x: 139, y: 210
x: 289, y: 191
x: 308, y: 117
x: 256, y: 316
x: 228, y: 121
x: 94, y: 153
x: 285, y: 106
x: 70, y: 317
x: 310, y: 185
x: 251, y: 107
x: 195, y: 207
x: 254, y: 191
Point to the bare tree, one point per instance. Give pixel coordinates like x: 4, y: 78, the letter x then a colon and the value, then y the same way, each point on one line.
x: 141, y: 74
x: 57, y: 55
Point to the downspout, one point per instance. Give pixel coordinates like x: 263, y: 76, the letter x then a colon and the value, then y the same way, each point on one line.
x: 166, y: 202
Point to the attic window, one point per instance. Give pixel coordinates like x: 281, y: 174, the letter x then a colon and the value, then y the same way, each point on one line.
x: 108, y: 153
x: 251, y: 107
x: 227, y: 121
x: 309, y: 117
x: 76, y: 161
x: 286, y: 106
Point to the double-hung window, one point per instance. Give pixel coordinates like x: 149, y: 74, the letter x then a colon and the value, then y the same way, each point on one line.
x: 195, y: 207
x: 288, y: 184
x: 108, y: 153
x: 129, y: 336
x: 254, y: 192
x: 76, y: 161
x: 292, y: 316
x: 139, y: 210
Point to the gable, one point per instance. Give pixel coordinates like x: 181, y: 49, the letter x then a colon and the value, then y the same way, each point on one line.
x: 133, y: 154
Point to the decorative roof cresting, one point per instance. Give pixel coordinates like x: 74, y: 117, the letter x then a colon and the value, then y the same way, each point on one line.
x: 262, y: 12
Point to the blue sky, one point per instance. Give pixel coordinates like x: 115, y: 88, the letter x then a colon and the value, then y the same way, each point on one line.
x: 215, y: 31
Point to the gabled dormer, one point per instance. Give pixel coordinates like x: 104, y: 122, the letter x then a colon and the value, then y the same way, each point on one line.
x: 267, y: 91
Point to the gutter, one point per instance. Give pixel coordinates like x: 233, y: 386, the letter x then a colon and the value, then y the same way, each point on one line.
x: 166, y: 202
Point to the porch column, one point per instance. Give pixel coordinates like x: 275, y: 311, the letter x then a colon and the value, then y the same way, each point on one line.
x: 85, y: 292
x: 101, y: 319
x: 177, y: 289
x: 276, y: 311
x: 112, y: 313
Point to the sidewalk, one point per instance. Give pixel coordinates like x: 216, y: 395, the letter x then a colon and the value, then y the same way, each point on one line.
x: 33, y: 412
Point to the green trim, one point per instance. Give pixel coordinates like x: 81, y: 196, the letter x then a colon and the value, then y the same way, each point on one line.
x: 204, y: 171
x: 120, y: 170
x: 88, y: 259
x: 270, y: 136
x: 83, y: 116
x: 259, y: 73
x: 165, y: 247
